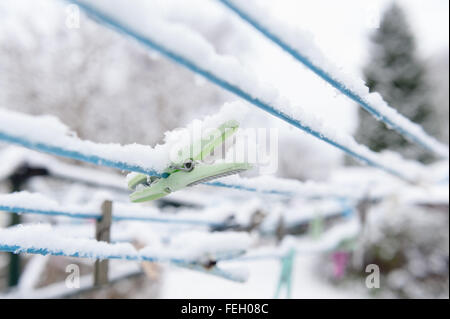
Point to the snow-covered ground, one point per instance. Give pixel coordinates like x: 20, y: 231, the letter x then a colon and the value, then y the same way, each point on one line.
x: 262, y: 283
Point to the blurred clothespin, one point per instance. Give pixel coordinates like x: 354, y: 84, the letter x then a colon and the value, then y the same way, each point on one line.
x: 316, y: 226
x: 340, y: 261
x: 287, y: 263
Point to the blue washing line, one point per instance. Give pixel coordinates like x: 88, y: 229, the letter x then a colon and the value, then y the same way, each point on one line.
x: 19, y: 210
x: 193, y: 265
x: 328, y: 78
x: 249, y: 189
x: 16, y: 249
x: 103, y: 18
x: 59, y: 151
x: 347, y: 211
x: 347, y: 208
x: 167, y: 221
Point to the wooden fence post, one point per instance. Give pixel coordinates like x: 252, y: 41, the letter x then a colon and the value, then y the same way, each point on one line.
x: 103, y: 233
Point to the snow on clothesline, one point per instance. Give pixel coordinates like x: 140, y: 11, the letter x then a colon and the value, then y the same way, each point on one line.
x: 192, y: 250
x: 299, y: 46
x: 34, y: 203
x: 352, y: 188
x: 187, y: 249
x: 190, y: 49
x: 310, y: 210
x: 13, y: 157
x: 288, y: 187
x: 47, y: 134
x: 437, y: 194
x: 26, y: 130
x: 223, y: 215
x: 365, y: 183
x: 293, y: 216
x: 328, y: 241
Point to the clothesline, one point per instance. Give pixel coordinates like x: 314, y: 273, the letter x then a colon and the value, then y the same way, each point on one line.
x: 34, y: 203
x: 41, y: 240
x: 353, y: 88
x: 239, y: 83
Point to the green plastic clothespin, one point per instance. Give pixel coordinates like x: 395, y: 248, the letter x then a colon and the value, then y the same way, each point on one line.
x: 287, y: 263
x: 188, y: 170
x: 316, y: 226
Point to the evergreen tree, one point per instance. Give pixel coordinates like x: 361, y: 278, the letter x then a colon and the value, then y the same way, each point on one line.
x: 399, y: 76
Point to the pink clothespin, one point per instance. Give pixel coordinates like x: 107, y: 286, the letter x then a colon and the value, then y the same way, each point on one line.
x: 340, y: 261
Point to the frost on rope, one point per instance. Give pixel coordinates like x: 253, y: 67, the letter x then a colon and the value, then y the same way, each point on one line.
x: 353, y: 186
x: 38, y: 203
x: 42, y: 237
x: 328, y: 241
x: 284, y: 186
x: 303, y: 43
x: 49, y: 131
x: 13, y: 157
x: 178, y: 39
x: 188, y: 246
x: 310, y: 210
